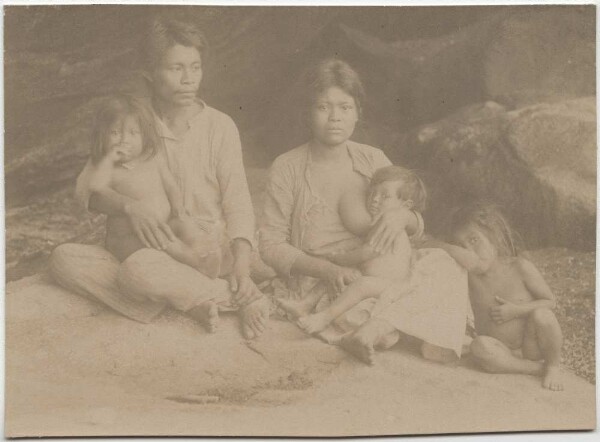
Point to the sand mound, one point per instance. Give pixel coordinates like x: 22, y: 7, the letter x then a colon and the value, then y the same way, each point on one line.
x: 75, y: 368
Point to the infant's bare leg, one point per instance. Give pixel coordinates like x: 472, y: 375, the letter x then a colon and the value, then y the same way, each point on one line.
x: 495, y: 357
x: 375, y: 334
x: 194, y: 247
x: 300, y: 307
x: 543, y: 340
x: 363, y: 288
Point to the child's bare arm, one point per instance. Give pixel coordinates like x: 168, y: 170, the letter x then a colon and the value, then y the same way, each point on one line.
x: 355, y: 257
x: 172, y: 190
x: 465, y: 258
x: 101, y: 174
x: 535, y: 284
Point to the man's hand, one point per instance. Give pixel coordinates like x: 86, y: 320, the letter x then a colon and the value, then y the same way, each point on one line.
x: 149, y: 229
x: 244, y: 289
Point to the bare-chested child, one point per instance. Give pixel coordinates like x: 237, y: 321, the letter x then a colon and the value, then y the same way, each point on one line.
x: 127, y: 159
x: 517, y: 330
x: 391, y: 187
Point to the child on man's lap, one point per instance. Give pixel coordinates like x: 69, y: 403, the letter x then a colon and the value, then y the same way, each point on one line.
x: 127, y: 159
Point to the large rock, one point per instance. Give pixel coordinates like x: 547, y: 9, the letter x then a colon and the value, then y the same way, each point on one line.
x: 538, y: 163
x: 540, y: 54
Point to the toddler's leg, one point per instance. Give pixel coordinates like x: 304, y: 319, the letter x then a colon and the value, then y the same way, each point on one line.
x: 300, y: 307
x: 363, y: 288
x: 495, y: 357
x: 195, y: 247
x: 375, y: 334
x: 543, y: 340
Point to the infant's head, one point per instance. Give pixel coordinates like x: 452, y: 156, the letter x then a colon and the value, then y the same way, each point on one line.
x: 394, y: 186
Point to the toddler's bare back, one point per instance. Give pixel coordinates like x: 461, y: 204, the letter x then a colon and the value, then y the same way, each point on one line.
x: 391, y: 265
x: 355, y: 216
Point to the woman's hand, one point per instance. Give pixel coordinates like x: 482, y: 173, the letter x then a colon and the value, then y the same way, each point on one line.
x: 149, y: 229
x: 339, y: 277
x: 387, y: 226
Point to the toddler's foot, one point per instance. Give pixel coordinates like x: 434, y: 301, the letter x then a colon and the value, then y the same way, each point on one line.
x: 553, y: 378
x: 314, y: 323
x: 360, y: 346
x: 207, y: 314
x: 295, y: 309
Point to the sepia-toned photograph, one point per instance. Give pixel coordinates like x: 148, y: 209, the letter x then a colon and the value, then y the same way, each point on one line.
x: 298, y: 221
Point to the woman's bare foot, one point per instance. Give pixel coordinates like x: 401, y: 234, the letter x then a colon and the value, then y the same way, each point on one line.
x: 360, y: 346
x: 373, y: 334
x: 437, y: 354
x: 207, y: 314
x: 314, y: 323
x: 295, y: 309
x: 254, y: 317
x: 553, y: 378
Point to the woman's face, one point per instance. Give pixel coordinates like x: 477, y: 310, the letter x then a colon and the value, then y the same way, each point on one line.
x: 333, y: 116
x: 177, y: 78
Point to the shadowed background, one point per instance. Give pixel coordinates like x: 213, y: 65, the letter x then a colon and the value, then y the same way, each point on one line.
x: 493, y: 102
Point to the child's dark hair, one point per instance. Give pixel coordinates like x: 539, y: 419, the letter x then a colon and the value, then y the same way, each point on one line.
x: 487, y: 217
x: 165, y: 32
x: 120, y: 106
x: 412, y: 187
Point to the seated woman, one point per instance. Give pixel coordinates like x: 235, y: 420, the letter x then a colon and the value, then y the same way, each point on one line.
x: 302, y: 226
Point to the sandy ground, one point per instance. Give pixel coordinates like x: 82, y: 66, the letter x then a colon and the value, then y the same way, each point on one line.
x: 75, y: 368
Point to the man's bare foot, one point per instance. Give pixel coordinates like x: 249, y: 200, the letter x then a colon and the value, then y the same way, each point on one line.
x: 207, y: 314
x: 314, y: 323
x: 360, y: 346
x: 295, y: 309
x: 553, y: 379
x: 254, y: 318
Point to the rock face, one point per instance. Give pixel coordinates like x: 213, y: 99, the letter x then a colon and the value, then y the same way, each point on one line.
x: 538, y: 163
